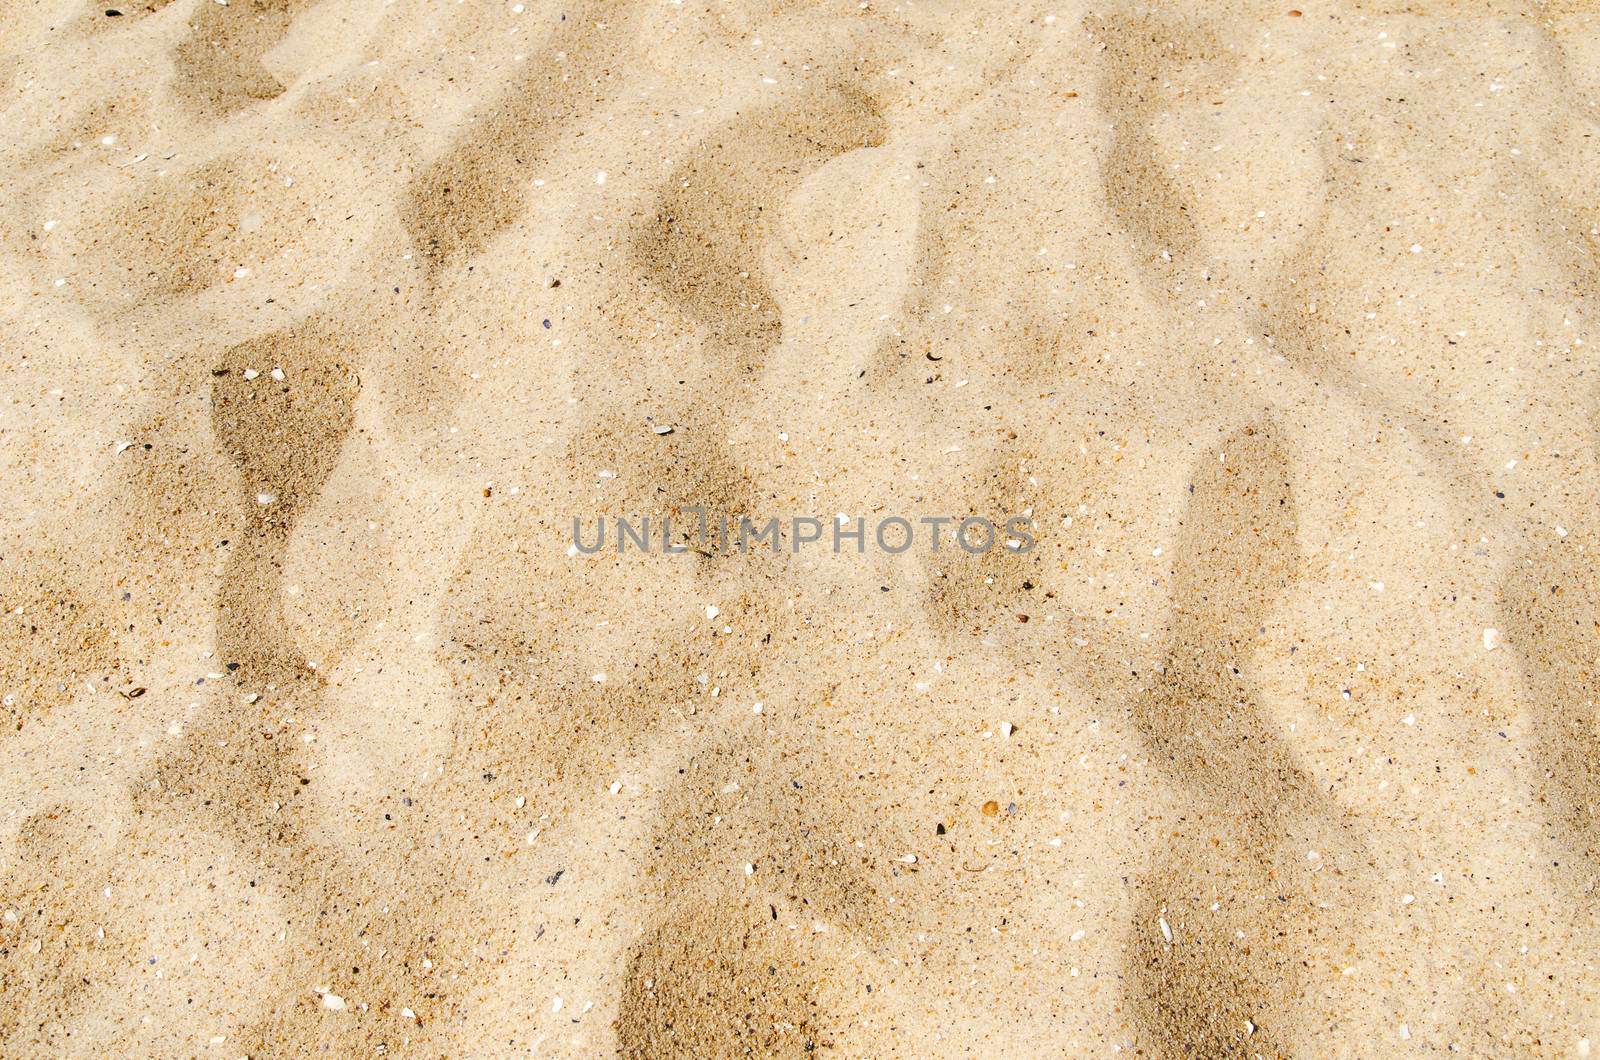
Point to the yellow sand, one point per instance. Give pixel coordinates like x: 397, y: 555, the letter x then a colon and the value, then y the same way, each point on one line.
x: 1283, y: 741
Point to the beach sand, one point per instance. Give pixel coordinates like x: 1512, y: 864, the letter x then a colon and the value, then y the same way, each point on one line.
x: 320, y: 323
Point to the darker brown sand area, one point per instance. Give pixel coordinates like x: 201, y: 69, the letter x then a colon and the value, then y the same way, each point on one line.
x: 320, y: 323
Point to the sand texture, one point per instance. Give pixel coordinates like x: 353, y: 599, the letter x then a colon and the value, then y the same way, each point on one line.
x: 321, y: 320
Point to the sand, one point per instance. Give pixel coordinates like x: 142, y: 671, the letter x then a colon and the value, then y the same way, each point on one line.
x: 321, y: 322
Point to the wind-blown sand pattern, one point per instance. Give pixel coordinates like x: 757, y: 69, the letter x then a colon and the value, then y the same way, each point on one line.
x: 323, y: 319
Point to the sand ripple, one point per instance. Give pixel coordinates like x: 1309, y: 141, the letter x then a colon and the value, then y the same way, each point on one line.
x: 321, y: 322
